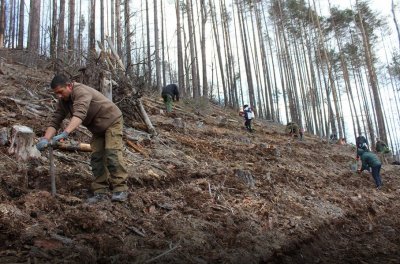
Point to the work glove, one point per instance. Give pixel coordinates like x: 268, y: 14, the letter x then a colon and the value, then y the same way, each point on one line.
x: 42, y: 144
x: 59, y: 137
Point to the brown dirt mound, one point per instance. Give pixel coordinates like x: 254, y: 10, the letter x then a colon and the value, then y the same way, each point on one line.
x: 205, y: 193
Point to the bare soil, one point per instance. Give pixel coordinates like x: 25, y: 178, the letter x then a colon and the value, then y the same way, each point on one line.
x: 208, y: 192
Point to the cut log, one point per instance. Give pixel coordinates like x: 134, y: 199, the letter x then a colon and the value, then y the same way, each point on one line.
x: 74, y: 146
x: 22, y: 143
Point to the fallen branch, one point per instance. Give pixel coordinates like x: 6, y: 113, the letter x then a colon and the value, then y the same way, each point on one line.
x: 163, y: 254
x: 136, y: 230
x: 137, y: 148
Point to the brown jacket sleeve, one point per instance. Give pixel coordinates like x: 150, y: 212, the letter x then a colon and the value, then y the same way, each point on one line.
x: 95, y: 110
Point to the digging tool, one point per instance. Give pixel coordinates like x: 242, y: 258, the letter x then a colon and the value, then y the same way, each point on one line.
x: 64, y: 145
x: 52, y: 171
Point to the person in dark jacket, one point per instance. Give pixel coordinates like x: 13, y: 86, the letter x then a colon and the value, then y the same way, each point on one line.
x: 248, y: 116
x: 370, y: 160
x: 87, y: 106
x: 170, y: 93
x: 294, y: 130
x: 382, y: 150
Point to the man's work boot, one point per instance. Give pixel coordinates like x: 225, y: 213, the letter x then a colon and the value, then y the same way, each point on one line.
x: 119, y: 196
x: 97, y: 197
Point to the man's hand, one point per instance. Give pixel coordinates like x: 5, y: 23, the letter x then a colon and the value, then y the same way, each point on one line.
x: 59, y: 137
x: 42, y: 144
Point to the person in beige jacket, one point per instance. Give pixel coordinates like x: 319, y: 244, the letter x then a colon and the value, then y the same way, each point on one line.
x: 87, y: 106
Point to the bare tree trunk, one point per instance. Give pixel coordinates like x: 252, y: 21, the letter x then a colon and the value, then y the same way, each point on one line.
x: 34, y: 26
x: 193, y: 55
x: 246, y: 53
x: 238, y: 75
x: 112, y: 22
x: 157, y: 48
x: 372, y: 80
x: 61, y: 34
x: 102, y: 21
x: 118, y: 27
x: 181, y: 72
x: 2, y: 22
x: 71, y: 28
x: 92, y: 32
x: 203, y: 46
x: 128, y: 37
x: 149, y: 69
x: 228, y: 55
x: 53, y: 33
x: 218, y: 46
x: 11, y: 29
x: 81, y: 26
x: 266, y: 71
x: 21, y: 24
x: 163, y: 45
x: 331, y: 81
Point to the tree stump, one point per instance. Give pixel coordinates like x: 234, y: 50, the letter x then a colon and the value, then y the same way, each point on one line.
x: 3, y: 136
x: 22, y: 143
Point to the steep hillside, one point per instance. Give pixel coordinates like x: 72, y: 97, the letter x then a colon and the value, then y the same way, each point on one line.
x: 204, y: 192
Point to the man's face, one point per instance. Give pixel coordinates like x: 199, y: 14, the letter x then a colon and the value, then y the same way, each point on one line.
x: 63, y: 92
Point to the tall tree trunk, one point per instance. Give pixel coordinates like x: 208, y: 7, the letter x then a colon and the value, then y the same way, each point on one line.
x: 61, y: 34
x: 372, y: 79
x: 203, y: 8
x: 92, y: 32
x: 81, y: 26
x: 266, y: 71
x: 181, y: 73
x: 157, y: 48
x: 149, y: 70
x: 2, y: 22
x: 196, y: 89
x: 112, y: 22
x: 102, y: 21
x: 53, y: 33
x: 21, y: 24
x: 34, y: 26
x: 163, y: 46
x: 237, y: 75
x: 118, y: 26
x: 246, y: 53
x: 11, y: 29
x: 71, y: 28
x: 218, y: 46
x: 128, y: 48
x: 331, y: 81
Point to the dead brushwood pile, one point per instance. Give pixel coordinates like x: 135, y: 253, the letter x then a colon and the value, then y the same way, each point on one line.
x: 202, y: 191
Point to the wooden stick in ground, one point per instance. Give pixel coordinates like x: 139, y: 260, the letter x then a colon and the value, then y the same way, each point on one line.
x: 52, y: 172
x: 164, y: 253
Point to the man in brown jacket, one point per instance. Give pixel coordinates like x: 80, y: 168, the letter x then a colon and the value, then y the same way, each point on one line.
x: 87, y: 106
